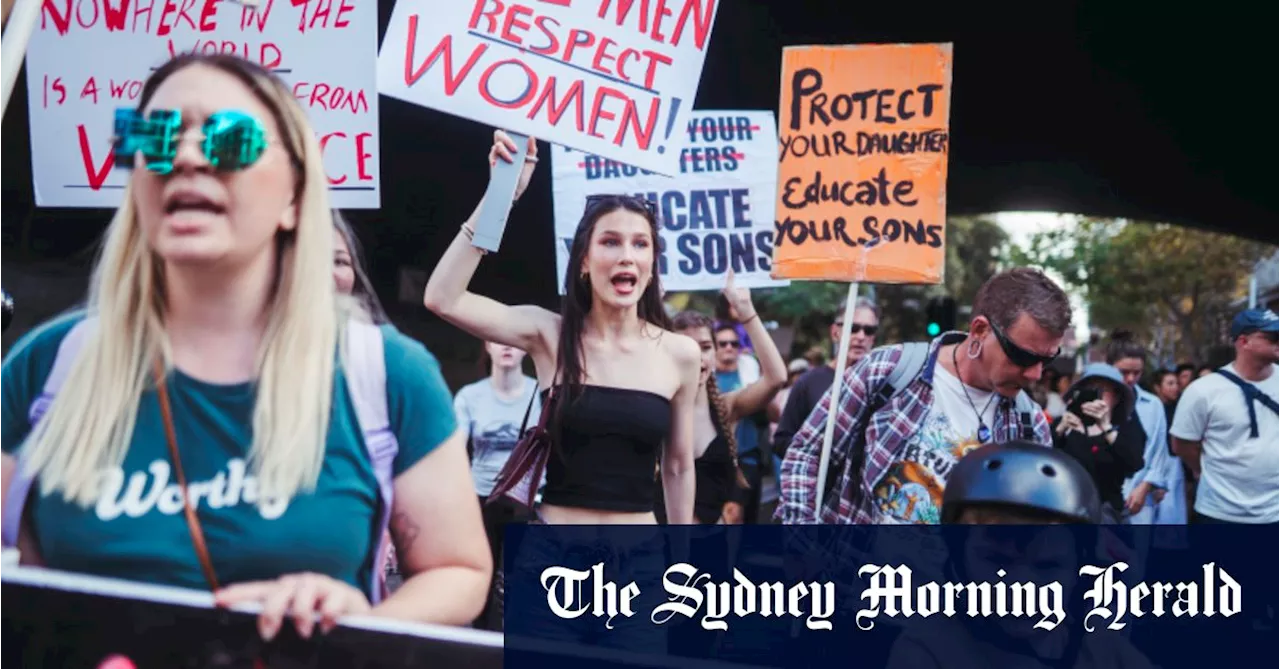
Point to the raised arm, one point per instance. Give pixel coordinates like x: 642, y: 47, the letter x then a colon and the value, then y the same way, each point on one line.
x: 527, y: 327
x: 773, y: 371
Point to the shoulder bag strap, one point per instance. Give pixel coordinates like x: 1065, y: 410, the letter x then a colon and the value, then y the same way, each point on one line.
x: 193, y: 523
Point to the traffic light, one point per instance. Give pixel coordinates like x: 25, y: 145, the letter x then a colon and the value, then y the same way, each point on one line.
x: 941, y: 314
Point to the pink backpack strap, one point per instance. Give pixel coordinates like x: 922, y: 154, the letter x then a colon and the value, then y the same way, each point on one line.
x: 365, y: 368
x: 15, y: 499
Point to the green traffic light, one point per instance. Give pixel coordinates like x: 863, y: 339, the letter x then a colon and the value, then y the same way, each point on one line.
x: 934, y: 330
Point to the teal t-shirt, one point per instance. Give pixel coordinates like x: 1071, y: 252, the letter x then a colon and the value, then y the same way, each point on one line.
x: 137, y: 530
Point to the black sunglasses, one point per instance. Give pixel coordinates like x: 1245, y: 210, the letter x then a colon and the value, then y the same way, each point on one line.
x: 1021, y: 356
x: 854, y: 329
x: 650, y: 206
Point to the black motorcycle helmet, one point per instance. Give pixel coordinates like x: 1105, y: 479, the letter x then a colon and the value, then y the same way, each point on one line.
x: 1025, y: 476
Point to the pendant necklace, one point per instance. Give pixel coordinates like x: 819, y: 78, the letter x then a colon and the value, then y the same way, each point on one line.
x: 984, y: 432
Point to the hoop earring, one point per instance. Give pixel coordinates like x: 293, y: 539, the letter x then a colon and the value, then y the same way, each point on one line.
x: 971, y: 352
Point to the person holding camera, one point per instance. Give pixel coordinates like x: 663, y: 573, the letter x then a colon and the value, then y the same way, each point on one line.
x: 1099, y: 429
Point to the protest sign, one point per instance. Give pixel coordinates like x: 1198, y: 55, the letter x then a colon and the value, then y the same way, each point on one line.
x: 863, y: 141
x: 717, y: 214
x: 89, y: 57
x: 615, y: 79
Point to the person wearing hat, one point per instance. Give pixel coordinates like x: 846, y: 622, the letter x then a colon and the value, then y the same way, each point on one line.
x: 1017, y: 483
x: 1100, y: 431
x: 1020, y: 483
x: 1226, y: 430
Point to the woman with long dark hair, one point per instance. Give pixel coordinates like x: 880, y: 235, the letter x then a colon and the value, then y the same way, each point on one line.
x: 716, y: 416
x: 619, y: 383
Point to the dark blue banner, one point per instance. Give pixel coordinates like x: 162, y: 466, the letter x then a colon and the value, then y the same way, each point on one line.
x: 891, y: 596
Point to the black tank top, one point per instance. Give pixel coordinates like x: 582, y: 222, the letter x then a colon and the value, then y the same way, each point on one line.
x: 607, y: 455
x: 717, y: 477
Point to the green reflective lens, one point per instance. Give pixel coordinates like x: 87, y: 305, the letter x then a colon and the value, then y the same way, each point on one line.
x: 233, y: 140
x: 156, y: 138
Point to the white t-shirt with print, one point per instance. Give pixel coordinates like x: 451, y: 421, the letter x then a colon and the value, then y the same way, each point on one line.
x: 911, y: 489
x: 1239, y: 475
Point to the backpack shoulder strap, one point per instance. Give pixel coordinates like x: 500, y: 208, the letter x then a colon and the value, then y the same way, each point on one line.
x: 365, y: 367
x: 20, y: 486
x: 905, y: 370
x: 1251, y: 393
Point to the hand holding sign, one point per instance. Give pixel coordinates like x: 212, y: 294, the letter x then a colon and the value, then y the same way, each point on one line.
x: 740, y: 307
x: 301, y: 596
x: 505, y: 148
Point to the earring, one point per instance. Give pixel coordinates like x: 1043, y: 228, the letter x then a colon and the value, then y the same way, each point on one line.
x: 973, y: 352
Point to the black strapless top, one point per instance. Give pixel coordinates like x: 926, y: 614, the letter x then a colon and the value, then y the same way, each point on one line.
x: 607, y: 455
x: 717, y: 481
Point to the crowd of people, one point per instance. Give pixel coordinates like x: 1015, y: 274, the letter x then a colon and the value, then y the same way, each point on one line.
x: 232, y: 409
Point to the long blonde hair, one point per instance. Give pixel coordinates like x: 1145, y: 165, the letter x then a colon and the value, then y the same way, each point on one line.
x: 90, y: 424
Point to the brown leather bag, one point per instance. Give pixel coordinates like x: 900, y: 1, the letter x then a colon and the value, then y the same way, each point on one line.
x: 193, y: 523
x: 520, y: 477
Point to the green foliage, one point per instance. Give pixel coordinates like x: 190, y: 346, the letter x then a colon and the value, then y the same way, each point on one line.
x: 1174, y: 286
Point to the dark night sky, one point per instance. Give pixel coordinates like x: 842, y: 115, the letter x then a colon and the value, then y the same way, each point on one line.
x: 1141, y: 109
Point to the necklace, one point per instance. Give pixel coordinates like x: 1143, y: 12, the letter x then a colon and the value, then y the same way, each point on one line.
x: 984, y: 432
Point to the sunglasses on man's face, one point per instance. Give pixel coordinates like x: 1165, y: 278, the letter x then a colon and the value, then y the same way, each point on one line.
x: 231, y: 139
x: 1020, y: 356
x: 728, y: 343
x: 632, y: 201
x: 869, y: 330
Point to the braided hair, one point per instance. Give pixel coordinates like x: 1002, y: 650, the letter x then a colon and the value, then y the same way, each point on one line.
x: 687, y: 320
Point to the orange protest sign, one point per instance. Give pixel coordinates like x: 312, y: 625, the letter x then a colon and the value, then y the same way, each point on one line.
x: 863, y: 134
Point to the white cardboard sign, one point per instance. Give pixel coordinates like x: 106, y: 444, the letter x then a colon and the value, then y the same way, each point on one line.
x: 88, y: 57
x: 717, y: 214
x: 615, y: 78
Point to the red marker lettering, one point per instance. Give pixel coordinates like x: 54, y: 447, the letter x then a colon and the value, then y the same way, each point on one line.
x: 165, y: 28
x: 602, y: 55
x: 479, y: 11
x: 555, y: 111
x: 362, y: 156
x: 251, y: 16
x: 512, y: 20
x: 90, y: 88
x: 701, y: 22
x: 658, y: 13
x: 338, y: 21
x: 654, y: 59
x: 324, y: 141
x: 115, y: 15
x: 99, y: 176
x: 445, y: 47
x: 622, y: 59
x: 61, y: 20
x: 553, y: 42
x: 208, y: 16
x: 577, y: 38
x: 530, y: 76
x: 597, y: 109
x: 631, y: 118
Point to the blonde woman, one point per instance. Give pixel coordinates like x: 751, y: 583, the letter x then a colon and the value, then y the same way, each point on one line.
x: 214, y: 350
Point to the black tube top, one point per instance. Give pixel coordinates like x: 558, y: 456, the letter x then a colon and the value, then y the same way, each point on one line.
x: 607, y: 455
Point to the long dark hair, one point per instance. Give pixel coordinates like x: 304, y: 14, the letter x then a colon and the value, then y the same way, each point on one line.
x: 688, y: 320
x: 362, y: 290
x: 577, y: 299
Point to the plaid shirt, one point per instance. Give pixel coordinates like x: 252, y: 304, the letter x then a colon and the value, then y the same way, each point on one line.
x: 884, y: 440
